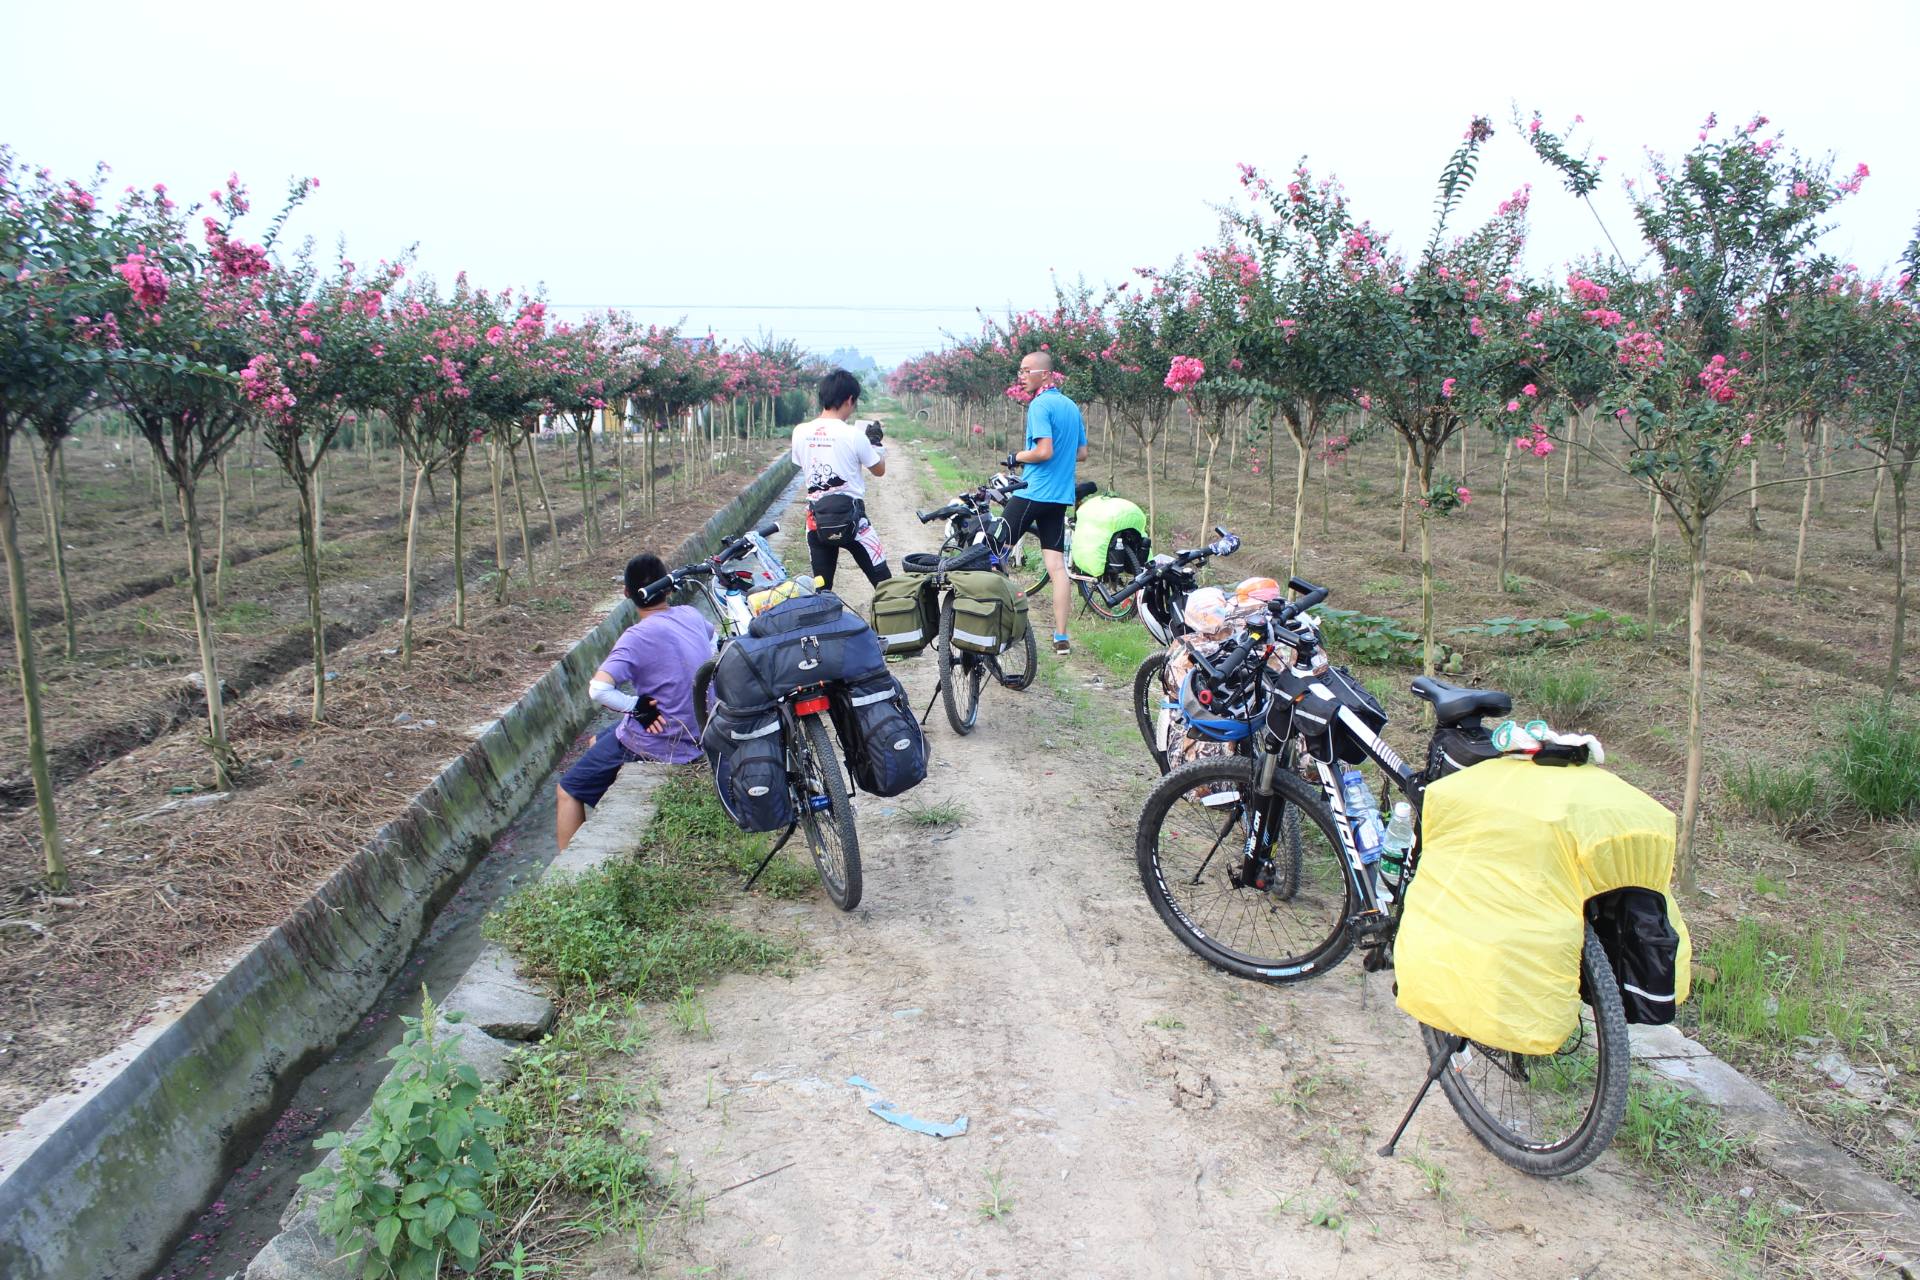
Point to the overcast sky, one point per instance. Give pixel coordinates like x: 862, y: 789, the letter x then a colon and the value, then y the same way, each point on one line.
x: 867, y: 175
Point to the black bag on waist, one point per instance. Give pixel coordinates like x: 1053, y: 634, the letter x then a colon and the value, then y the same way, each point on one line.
x: 749, y: 759
x: 836, y: 516
x: 884, y: 745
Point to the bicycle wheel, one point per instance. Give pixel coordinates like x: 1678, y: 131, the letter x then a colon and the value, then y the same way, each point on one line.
x: 1191, y: 850
x: 1018, y: 673
x: 961, y: 675
x: 831, y: 837
x: 702, y: 685
x: 1548, y: 1114
x: 1112, y: 582
x: 1147, y: 697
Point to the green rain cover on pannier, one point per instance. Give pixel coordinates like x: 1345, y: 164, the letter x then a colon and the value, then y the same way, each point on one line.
x: 1097, y: 520
x: 985, y: 612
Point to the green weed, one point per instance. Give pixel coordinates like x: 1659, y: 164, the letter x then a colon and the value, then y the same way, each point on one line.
x: 999, y: 1201
x: 1668, y: 1129
x: 1563, y: 693
x: 1119, y: 647
x: 1764, y: 984
x: 1439, y: 1182
x: 1166, y: 1022
x: 946, y: 813
x: 690, y: 1013
x: 1877, y: 764
x: 1793, y: 797
x: 242, y: 615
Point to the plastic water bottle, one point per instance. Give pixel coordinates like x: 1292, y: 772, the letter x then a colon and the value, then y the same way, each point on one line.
x: 1398, y: 840
x: 1363, y: 813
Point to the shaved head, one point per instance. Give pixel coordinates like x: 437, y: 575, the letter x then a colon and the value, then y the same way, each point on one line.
x: 1041, y: 360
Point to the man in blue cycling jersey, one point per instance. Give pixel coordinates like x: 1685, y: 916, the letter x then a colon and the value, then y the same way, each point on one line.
x: 1056, y: 442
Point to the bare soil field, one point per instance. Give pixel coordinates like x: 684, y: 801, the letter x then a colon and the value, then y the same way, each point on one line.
x: 161, y: 901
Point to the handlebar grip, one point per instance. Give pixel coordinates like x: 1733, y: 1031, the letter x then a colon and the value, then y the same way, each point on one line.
x: 768, y: 529
x: 1294, y: 608
x: 654, y: 590
x: 1012, y: 485
x: 1302, y: 586
x: 938, y: 513
x: 1126, y: 593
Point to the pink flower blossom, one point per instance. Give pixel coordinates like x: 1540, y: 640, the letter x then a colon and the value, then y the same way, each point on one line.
x: 144, y: 276
x: 1184, y: 374
x: 1800, y: 189
x: 1465, y: 495
x: 1446, y: 388
x: 1530, y: 390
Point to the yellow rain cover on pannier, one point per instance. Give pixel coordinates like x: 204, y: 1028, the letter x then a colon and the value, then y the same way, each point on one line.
x: 1489, y: 943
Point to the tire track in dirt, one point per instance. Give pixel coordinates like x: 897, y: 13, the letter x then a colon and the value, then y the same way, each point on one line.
x: 1010, y: 969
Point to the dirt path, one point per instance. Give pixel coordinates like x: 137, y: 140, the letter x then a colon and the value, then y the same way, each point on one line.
x: 1147, y: 1115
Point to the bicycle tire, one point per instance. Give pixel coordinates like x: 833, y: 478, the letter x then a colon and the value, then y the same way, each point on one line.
x: 839, y: 875
x: 702, y: 687
x: 1030, y: 655
x: 1146, y: 705
x: 1090, y: 592
x: 1607, y: 1104
x: 960, y: 679
x: 1322, y: 938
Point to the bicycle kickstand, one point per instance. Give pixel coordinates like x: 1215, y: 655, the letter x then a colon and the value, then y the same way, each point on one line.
x: 777, y: 846
x: 929, y: 711
x: 1439, y: 1065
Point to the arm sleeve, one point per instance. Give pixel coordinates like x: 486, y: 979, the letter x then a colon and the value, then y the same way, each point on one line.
x: 608, y: 696
x: 1039, y: 424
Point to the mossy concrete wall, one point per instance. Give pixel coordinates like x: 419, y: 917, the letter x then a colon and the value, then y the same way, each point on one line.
x: 105, y: 1190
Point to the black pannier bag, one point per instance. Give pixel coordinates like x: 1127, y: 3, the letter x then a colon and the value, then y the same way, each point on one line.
x: 884, y: 745
x: 1310, y: 704
x: 814, y: 645
x: 1643, y: 948
x: 1456, y: 747
x: 749, y: 759
x: 1128, y: 552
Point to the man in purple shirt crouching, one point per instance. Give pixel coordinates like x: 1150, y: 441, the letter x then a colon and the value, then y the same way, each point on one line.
x: 658, y: 656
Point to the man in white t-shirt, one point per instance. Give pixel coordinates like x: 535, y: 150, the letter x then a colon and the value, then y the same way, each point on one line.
x: 834, y: 456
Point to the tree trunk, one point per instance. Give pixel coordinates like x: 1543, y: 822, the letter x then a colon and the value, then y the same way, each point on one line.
x: 1826, y: 453
x: 406, y: 572
x: 30, y: 689
x: 1899, y: 577
x: 319, y: 502
x: 1206, y: 487
x: 220, y: 542
x: 499, y: 521
x: 620, y: 469
x: 1687, y: 861
x: 253, y: 481
x: 1879, y: 484
x: 306, y: 489
x: 1301, y: 463
x: 589, y: 497
x: 1506, y: 466
x: 56, y: 508
x: 1653, y: 569
x: 1546, y: 491
x: 1806, y: 502
x: 223, y: 762
x: 1406, y: 483
x: 1152, y: 528
x: 1753, y: 491
x: 1326, y: 486
x: 1566, y: 463
x: 520, y: 506
x: 1426, y: 566
x: 459, y: 466
x: 546, y: 503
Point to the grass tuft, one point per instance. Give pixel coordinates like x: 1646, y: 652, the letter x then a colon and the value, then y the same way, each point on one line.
x: 1564, y: 693
x: 1877, y: 764
x: 1793, y: 797
x: 1765, y: 985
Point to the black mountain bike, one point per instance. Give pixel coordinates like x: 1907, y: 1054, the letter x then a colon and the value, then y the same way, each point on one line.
x: 1213, y: 863
x: 963, y: 674
x: 822, y: 798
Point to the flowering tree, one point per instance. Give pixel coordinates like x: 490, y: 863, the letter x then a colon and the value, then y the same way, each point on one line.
x: 318, y: 365
x: 182, y: 321
x: 1733, y: 228
x: 1439, y: 350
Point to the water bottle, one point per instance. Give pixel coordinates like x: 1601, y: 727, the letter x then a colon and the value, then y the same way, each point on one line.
x: 1363, y: 813
x: 1398, y: 840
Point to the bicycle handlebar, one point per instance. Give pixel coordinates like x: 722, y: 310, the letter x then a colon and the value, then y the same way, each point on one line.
x: 1226, y: 546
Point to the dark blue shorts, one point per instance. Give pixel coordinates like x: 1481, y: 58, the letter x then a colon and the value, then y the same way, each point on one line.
x: 587, y: 781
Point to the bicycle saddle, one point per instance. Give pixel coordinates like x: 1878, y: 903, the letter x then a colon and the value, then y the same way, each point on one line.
x: 1453, y: 703
x: 1084, y: 490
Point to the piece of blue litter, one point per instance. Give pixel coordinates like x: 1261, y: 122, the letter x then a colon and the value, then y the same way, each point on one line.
x: 858, y: 1083
x: 886, y: 1111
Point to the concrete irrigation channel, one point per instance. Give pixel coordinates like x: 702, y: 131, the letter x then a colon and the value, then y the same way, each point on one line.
x: 106, y: 1180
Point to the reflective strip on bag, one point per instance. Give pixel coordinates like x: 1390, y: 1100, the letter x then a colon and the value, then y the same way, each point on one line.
x: 900, y: 637
x: 773, y: 726
x: 985, y: 642
x: 1647, y: 995
x: 872, y: 698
